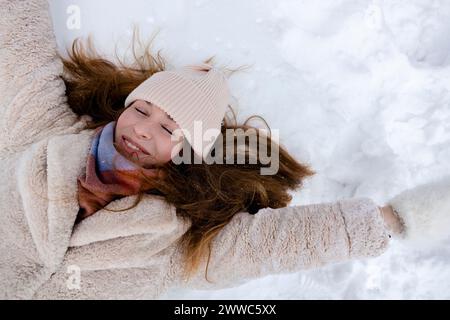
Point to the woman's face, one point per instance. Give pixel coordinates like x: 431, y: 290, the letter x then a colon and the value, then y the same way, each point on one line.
x: 150, y: 128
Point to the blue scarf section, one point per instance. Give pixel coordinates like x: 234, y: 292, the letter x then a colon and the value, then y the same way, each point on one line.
x: 109, y: 175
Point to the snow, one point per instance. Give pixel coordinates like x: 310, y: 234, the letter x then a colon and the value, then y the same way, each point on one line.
x: 359, y: 89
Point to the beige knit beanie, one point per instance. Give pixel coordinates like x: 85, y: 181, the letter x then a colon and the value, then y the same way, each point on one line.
x: 188, y: 94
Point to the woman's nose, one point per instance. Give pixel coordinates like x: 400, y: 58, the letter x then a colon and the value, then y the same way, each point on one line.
x: 143, y: 131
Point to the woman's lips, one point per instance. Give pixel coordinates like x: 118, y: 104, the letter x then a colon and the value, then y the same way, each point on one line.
x: 130, y: 150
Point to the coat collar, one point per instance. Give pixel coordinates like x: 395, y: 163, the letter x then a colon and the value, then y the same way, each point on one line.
x: 48, y: 174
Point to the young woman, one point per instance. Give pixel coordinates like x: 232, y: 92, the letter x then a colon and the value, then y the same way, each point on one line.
x: 93, y: 205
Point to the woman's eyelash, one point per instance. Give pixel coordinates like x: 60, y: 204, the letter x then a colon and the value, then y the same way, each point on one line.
x: 167, y: 129
x: 139, y: 111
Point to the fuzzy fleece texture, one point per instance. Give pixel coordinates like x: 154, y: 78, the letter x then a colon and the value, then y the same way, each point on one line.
x: 131, y: 254
x: 425, y: 211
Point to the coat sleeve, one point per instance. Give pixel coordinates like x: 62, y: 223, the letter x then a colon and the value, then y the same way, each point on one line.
x: 286, y: 240
x: 33, y: 104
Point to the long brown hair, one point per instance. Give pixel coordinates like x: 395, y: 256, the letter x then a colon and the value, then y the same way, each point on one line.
x: 208, y: 194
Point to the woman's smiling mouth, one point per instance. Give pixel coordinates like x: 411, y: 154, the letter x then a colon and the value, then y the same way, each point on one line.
x: 131, y: 147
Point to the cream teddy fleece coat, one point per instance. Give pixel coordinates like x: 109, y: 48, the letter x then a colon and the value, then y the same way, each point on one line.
x: 131, y: 254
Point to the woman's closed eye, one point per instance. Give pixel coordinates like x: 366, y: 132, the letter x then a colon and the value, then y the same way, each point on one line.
x: 140, y: 111
x: 167, y: 130
x: 170, y: 132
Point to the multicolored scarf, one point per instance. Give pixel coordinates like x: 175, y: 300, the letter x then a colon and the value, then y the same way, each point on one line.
x: 102, y: 182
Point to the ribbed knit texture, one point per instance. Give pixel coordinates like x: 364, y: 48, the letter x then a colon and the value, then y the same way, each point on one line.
x: 188, y: 94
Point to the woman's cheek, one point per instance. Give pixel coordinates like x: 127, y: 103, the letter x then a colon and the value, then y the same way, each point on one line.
x: 123, y: 122
x: 167, y: 152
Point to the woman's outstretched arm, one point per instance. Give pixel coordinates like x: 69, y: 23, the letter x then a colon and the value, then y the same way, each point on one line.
x: 290, y: 239
x: 32, y: 94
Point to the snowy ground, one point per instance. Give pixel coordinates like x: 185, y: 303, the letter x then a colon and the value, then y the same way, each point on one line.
x: 359, y: 88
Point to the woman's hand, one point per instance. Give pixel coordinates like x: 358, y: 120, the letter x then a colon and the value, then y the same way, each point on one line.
x: 391, y: 220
